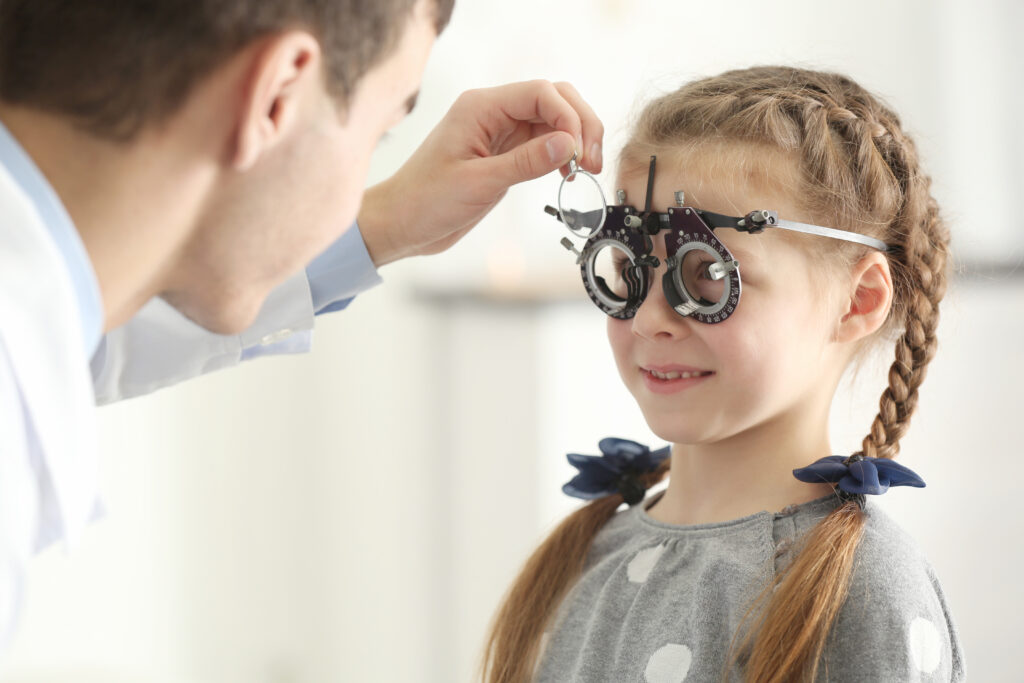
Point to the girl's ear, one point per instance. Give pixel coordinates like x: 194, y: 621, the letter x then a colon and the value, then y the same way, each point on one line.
x: 870, y: 298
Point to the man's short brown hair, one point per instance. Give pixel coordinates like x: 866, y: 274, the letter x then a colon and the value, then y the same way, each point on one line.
x: 114, y: 67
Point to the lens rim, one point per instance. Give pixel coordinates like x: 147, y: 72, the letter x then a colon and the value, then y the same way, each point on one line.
x: 680, y: 282
x: 584, y: 233
x: 688, y: 231
x: 608, y: 298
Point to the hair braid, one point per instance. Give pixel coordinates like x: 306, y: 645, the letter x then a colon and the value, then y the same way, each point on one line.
x: 855, y: 152
x: 919, y: 264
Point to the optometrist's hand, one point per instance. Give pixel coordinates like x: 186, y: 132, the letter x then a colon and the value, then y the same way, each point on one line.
x: 489, y: 140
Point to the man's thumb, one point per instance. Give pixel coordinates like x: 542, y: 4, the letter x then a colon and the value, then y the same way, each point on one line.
x: 533, y: 159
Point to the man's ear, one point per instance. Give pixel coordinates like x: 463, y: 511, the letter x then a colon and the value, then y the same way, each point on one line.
x: 272, y: 94
x: 869, y: 299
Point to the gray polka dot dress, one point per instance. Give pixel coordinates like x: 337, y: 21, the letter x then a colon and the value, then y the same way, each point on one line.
x: 659, y: 603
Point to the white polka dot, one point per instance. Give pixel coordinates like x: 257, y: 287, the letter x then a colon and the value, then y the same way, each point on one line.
x: 640, y: 566
x: 670, y: 664
x: 925, y: 645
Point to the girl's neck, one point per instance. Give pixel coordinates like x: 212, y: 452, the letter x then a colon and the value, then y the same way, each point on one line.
x: 748, y: 473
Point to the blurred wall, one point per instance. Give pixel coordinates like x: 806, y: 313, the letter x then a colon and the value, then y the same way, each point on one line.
x: 354, y: 514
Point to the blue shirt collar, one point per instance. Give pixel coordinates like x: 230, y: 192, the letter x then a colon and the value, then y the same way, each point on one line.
x: 61, y: 228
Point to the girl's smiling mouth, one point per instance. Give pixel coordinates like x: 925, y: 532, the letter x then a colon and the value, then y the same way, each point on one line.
x: 668, y: 379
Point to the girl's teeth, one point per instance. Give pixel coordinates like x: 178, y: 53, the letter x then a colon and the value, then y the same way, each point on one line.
x: 676, y: 375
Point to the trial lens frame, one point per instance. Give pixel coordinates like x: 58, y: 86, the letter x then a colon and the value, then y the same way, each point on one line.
x: 690, y: 231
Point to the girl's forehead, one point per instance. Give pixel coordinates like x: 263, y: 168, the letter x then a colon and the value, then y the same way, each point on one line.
x: 731, y: 179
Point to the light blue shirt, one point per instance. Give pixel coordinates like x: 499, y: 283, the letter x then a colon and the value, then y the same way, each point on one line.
x: 341, y: 272
x: 335, y: 277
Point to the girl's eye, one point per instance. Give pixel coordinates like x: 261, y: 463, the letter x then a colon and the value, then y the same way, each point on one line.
x: 611, y: 266
x: 698, y: 280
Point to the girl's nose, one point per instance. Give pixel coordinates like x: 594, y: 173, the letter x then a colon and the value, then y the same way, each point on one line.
x: 656, y: 319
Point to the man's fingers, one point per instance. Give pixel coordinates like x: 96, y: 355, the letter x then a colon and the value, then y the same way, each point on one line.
x: 532, y: 159
x: 539, y: 102
x: 591, y: 155
x: 545, y: 106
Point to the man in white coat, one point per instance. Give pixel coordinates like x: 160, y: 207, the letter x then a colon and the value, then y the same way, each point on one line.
x: 183, y: 189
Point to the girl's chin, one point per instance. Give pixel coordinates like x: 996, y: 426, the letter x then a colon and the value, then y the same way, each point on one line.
x: 669, y: 429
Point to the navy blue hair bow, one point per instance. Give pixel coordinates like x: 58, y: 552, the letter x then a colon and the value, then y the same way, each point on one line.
x: 858, y: 475
x: 616, y: 470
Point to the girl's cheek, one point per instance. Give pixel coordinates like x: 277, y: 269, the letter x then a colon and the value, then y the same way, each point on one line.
x: 618, y: 334
x: 738, y: 346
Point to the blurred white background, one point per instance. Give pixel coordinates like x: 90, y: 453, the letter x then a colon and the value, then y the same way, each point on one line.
x: 355, y: 514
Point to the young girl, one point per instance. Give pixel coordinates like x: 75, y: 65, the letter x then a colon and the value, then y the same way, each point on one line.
x: 740, y: 570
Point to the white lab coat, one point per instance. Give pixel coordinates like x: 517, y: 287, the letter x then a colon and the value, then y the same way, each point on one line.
x: 48, y: 471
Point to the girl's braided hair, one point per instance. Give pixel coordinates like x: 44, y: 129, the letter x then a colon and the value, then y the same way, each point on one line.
x: 859, y: 171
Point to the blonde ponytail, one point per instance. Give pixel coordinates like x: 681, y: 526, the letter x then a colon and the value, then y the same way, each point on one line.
x: 513, y: 643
